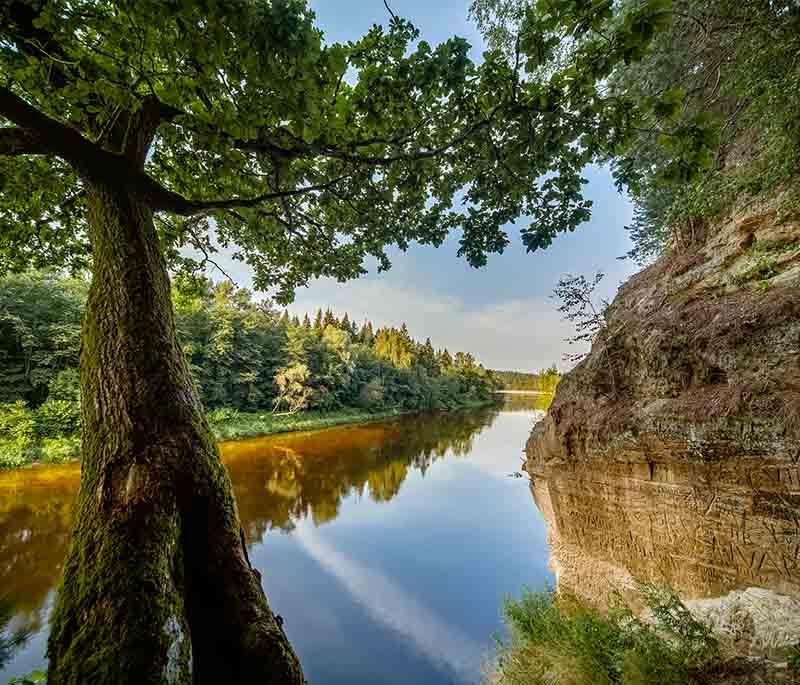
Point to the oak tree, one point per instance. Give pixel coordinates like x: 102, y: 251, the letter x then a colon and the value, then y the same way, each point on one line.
x: 131, y: 130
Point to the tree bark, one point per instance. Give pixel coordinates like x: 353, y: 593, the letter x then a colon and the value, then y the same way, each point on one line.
x: 157, y: 585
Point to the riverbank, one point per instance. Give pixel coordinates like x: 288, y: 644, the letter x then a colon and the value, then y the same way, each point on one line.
x: 669, y: 454
x: 556, y: 638
x: 241, y: 425
x: 229, y: 425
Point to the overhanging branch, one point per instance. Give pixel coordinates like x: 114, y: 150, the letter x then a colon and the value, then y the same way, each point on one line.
x: 173, y: 202
x: 282, y: 144
x: 15, y: 140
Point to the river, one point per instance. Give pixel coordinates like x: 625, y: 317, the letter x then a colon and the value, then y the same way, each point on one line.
x: 387, y: 548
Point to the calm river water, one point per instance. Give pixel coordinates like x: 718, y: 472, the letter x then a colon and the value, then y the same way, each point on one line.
x: 387, y: 548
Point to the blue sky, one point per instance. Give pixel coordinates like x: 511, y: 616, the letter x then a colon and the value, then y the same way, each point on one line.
x: 502, y: 313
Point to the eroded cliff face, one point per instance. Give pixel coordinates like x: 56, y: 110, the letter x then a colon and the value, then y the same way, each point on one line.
x: 670, y: 454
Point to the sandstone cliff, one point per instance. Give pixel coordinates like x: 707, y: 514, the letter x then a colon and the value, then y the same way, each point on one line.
x: 670, y: 454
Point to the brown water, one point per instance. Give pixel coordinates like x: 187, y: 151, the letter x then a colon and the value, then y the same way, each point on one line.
x: 386, y: 547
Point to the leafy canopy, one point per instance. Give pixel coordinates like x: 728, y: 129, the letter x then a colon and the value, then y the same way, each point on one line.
x: 713, y: 102
x: 310, y: 157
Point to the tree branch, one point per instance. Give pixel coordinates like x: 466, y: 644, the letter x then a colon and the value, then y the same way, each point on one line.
x: 94, y: 163
x: 285, y: 145
x: 15, y: 140
x: 175, y: 203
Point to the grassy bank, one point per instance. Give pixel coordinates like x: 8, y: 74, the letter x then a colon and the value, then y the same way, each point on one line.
x: 231, y: 425
x: 555, y: 639
x: 25, y: 447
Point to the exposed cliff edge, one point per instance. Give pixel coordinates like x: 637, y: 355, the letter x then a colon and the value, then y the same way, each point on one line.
x: 670, y: 453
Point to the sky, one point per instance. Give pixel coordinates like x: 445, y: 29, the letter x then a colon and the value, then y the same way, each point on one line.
x: 503, y: 313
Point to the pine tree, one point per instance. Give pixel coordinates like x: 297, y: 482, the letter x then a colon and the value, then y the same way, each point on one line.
x: 427, y: 357
x: 329, y: 320
x: 285, y: 318
x: 318, y: 325
x: 296, y: 321
x: 365, y: 335
x: 306, y: 323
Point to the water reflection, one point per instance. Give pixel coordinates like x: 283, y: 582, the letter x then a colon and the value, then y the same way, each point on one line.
x: 387, y: 547
x: 287, y: 478
x: 522, y: 401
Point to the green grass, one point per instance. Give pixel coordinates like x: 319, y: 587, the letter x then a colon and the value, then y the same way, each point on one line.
x: 227, y: 424
x: 239, y: 425
x: 555, y: 639
x: 231, y: 425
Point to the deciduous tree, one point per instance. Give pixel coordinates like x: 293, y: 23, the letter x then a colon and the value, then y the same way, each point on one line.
x: 126, y: 127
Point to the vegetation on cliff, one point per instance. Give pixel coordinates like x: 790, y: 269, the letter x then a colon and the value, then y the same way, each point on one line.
x: 713, y: 103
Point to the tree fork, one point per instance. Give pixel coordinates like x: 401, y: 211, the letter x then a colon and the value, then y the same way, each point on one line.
x: 157, y: 585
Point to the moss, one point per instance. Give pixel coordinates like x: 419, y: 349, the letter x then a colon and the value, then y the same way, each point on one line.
x: 763, y: 270
x: 156, y: 552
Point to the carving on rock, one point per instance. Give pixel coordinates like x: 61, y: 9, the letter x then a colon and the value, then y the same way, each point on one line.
x: 687, y: 474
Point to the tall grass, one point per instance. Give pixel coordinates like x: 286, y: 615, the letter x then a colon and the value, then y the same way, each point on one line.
x: 557, y: 640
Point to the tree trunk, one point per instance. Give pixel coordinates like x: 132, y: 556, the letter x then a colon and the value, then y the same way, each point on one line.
x: 157, y: 585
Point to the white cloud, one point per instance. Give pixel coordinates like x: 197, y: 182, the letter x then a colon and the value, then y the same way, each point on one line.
x: 396, y: 608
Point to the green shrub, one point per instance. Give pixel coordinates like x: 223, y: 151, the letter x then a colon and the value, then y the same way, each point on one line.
x: 59, y: 450
x: 17, y: 430
x: 65, y: 385
x: 58, y: 418
x: 224, y: 415
x: 555, y: 639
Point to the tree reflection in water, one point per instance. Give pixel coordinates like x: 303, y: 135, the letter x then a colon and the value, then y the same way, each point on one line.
x: 278, y: 480
x: 283, y: 479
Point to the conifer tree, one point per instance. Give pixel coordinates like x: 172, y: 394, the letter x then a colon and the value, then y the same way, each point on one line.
x: 344, y: 324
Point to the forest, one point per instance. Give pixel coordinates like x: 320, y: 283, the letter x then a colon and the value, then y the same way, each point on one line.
x: 543, y: 381
x: 245, y: 357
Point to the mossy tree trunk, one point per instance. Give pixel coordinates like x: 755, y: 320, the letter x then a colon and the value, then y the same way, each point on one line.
x: 157, y: 584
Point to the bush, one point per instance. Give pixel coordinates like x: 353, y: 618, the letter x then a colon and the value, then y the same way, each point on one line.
x: 58, y: 419
x: 65, y: 385
x: 555, y: 639
x: 371, y: 394
x: 17, y: 430
x: 223, y: 415
x: 59, y: 450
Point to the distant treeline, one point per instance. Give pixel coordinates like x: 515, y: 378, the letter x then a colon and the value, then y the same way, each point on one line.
x: 244, y: 355
x: 543, y: 381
